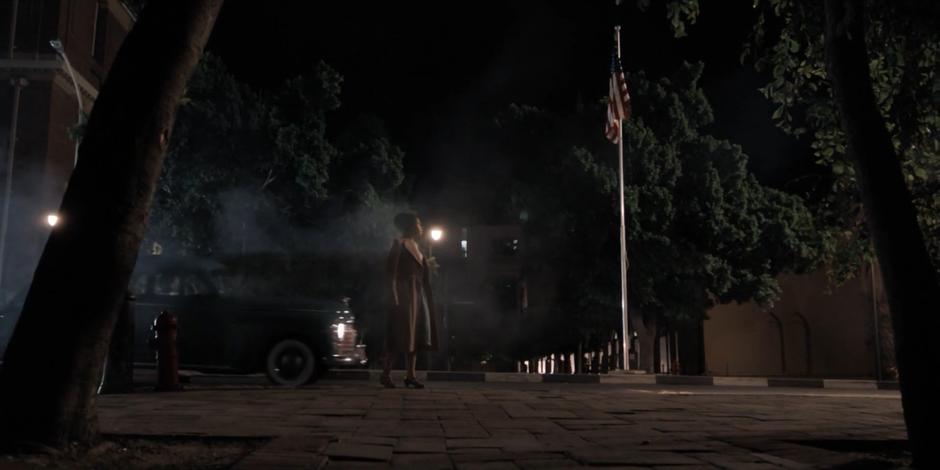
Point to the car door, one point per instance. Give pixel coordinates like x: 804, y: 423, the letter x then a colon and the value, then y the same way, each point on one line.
x: 201, y: 330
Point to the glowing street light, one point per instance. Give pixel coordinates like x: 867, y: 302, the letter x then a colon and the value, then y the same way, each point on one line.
x: 436, y: 235
x: 52, y: 219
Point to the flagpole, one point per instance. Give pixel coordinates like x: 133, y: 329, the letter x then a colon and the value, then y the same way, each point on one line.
x: 623, y: 236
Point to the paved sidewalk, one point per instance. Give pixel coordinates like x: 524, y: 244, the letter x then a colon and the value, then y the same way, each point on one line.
x: 350, y: 424
x: 631, y: 379
x: 514, y: 377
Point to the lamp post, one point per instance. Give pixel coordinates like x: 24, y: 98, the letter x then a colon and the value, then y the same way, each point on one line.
x: 436, y: 235
x: 57, y: 46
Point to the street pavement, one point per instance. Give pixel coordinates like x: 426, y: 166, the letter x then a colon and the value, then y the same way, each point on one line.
x: 355, y: 424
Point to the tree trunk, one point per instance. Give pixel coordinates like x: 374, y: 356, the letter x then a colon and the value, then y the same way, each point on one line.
x: 657, y: 352
x: 56, y: 354
x: 909, y: 278
x: 691, y: 357
x: 119, y: 367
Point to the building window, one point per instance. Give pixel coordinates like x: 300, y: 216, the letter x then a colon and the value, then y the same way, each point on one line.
x: 506, y: 247
x: 100, y: 32
x: 464, y: 244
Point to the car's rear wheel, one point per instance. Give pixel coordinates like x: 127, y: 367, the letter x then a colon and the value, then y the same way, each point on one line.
x: 291, y: 362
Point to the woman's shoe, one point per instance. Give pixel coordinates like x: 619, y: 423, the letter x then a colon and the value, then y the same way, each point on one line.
x: 386, y: 381
x: 412, y: 382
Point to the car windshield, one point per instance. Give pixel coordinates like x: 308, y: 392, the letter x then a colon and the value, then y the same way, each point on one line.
x: 173, y: 283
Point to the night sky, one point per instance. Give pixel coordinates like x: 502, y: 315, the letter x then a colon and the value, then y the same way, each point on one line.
x: 431, y: 69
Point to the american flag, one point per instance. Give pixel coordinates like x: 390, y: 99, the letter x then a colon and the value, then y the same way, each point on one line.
x: 618, y: 103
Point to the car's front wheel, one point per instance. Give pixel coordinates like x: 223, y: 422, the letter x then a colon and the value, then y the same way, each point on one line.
x: 291, y: 362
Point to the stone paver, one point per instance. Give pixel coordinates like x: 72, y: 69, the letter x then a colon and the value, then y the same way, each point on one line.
x: 609, y: 457
x: 426, y: 461
x: 347, y: 424
x: 421, y: 446
x: 354, y: 451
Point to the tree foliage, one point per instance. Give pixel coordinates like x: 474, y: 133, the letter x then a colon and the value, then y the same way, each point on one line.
x: 701, y: 229
x: 903, y: 38
x: 904, y: 53
x: 263, y: 162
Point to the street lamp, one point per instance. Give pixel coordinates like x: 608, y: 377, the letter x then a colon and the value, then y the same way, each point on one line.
x: 436, y: 235
x: 57, y: 46
x: 52, y: 219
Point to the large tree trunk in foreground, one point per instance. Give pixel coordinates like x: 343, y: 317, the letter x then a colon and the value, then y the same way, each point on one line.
x: 119, y: 366
x: 909, y: 277
x: 55, y: 357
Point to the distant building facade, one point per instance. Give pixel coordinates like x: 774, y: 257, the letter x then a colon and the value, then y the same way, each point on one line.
x: 485, y: 292
x: 39, y: 110
x: 482, y: 294
x: 811, y: 331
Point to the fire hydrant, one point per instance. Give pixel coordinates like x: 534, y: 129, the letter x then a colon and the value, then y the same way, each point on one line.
x: 164, y: 341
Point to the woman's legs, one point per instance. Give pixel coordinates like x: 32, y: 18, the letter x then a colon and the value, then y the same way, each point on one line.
x: 410, y: 380
x: 410, y: 361
x: 385, y: 379
x: 386, y: 364
x: 410, y: 364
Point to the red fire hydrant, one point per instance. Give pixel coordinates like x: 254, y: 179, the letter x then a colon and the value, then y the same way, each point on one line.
x: 164, y: 341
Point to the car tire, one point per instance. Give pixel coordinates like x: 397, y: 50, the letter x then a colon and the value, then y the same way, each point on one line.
x: 291, y: 363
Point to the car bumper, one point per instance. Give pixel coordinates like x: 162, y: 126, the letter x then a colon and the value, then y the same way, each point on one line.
x: 339, y: 361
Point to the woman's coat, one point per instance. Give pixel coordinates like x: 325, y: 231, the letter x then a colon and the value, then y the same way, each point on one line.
x: 412, y: 322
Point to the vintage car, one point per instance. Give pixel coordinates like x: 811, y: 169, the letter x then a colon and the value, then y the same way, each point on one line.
x: 291, y: 340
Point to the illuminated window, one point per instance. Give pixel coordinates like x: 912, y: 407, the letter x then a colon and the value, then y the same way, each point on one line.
x: 507, y: 247
x: 464, y: 244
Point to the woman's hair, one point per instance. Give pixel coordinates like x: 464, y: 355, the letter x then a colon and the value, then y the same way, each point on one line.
x: 406, y: 222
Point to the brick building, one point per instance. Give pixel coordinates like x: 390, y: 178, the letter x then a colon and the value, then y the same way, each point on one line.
x: 481, y: 294
x: 39, y: 110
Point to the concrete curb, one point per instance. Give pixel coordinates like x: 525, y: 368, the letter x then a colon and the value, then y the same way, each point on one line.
x: 624, y: 379
x: 796, y: 382
x: 740, y: 381
x: 571, y: 378
x: 684, y: 380
x: 456, y: 376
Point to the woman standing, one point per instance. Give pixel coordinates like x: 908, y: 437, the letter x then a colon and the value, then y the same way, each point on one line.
x: 411, y: 325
